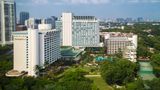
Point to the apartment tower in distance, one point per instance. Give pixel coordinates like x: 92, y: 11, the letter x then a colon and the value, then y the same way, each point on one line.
x: 32, y: 23
x: 78, y: 31
x: 7, y: 21
x: 35, y: 47
x: 51, y: 20
x: 23, y: 17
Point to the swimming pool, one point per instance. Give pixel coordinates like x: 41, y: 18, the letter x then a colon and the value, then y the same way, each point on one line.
x: 100, y: 58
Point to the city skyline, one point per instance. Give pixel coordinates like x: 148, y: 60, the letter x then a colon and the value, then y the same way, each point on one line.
x: 99, y: 8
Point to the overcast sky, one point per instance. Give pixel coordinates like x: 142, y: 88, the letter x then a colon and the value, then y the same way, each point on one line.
x: 98, y: 8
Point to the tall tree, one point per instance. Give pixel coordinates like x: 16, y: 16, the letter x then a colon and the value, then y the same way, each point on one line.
x: 119, y: 71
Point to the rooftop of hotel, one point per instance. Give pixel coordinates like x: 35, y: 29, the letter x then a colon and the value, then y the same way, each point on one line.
x: 69, y: 52
x: 84, y: 17
x: 26, y: 32
x: 118, y: 35
x: 74, y: 17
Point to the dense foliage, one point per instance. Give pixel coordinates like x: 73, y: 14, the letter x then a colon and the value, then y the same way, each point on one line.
x: 155, y: 61
x: 136, y: 85
x: 5, y: 60
x: 86, y: 57
x: 5, y: 66
x: 154, y: 84
x: 4, y: 49
x: 119, y: 71
x: 144, y: 85
x: 71, y: 80
x: 74, y: 80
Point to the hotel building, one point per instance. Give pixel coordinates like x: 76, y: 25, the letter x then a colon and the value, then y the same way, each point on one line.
x: 78, y: 31
x: 126, y: 43
x: 35, y: 47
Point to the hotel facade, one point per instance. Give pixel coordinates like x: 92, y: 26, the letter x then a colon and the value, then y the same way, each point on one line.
x: 126, y: 43
x: 78, y: 31
x: 36, y: 47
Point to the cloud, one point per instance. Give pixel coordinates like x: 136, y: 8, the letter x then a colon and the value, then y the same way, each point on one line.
x: 155, y: 1
x: 133, y: 1
x: 103, y: 1
x: 144, y: 1
x: 86, y: 1
x: 72, y: 2
x: 40, y: 1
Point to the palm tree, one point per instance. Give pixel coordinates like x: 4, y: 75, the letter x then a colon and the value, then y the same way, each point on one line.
x: 38, y: 69
x: 46, y: 63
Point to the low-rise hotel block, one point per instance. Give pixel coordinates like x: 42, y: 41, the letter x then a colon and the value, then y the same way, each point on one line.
x: 126, y: 43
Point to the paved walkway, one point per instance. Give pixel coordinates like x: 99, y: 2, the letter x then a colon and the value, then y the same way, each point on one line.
x: 92, y: 75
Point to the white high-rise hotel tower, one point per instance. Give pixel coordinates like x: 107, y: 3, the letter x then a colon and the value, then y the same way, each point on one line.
x: 35, y: 47
x: 79, y: 31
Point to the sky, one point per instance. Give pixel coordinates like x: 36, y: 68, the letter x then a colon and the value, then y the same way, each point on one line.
x: 100, y: 8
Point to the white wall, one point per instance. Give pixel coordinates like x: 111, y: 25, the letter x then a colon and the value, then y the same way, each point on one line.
x: 20, y: 53
x: 41, y: 49
x: 3, y: 23
x: 67, y: 29
x: 44, y: 26
x: 33, y: 50
x: 134, y: 40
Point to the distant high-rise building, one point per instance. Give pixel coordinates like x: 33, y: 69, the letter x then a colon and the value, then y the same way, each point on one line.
x: 129, y: 20
x: 35, y: 47
x: 32, y: 23
x: 78, y: 31
x: 120, y: 20
x: 23, y: 16
x: 140, y: 19
x: 52, y: 20
x: 7, y: 21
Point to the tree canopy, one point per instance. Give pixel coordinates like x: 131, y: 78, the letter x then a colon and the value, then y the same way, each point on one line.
x: 155, y: 61
x: 119, y: 72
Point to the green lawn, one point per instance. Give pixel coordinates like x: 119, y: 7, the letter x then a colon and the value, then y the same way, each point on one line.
x: 100, y: 83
